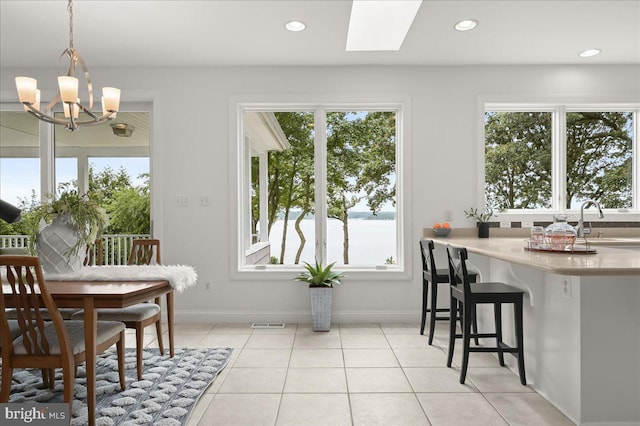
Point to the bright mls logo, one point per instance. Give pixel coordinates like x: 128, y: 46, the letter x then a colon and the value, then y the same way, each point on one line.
x: 32, y: 414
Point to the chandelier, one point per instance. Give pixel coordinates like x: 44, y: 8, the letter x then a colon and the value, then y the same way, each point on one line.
x: 29, y: 95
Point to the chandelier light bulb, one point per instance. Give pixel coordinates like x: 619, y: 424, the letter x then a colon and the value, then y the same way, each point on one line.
x: 105, y: 111
x: 27, y: 87
x: 110, y: 99
x: 68, y: 88
x: 36, y: 104
x: 71, y: 109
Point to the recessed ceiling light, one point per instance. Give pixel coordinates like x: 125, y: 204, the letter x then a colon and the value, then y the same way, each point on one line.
x: 589, y: 52
x: 295, y: 26
x: 466, y: 25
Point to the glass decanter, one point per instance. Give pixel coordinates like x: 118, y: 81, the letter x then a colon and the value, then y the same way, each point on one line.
x: 560, y: 235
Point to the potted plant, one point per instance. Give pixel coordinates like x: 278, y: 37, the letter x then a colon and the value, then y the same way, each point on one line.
x: 321, y: 280
x: 482, y: 218
x: 60, y: 226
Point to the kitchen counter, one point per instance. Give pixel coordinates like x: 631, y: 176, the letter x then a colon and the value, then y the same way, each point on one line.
x: 581, y: 320
x: 606, y: 261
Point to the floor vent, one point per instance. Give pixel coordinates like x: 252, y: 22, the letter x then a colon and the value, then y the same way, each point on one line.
x: 268, y: 325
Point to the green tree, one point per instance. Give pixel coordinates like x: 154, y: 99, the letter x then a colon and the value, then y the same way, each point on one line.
x: 108, y: 182
x: 361, y: 162
x: 128, y: 207
x: 131, y: 211
x: 360, y: 166
x: 22, y: 226
x: 291, y: 176
x: 518, y: 159
x: 599, y: 158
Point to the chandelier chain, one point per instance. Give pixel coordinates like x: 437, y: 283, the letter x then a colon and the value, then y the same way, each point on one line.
x: 70, y: 9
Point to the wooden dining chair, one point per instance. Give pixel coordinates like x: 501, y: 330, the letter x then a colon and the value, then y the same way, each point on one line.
x: 145, y: 251
x: 141, y: 315
x: 93, y: 254
x: 45, y: 344
x: 14, y: 331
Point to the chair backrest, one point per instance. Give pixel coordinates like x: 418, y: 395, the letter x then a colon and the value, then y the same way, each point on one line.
x: 458, y: 273
x: 145, y: 252
x: 93, y: 254
x: 428, y: 262
x: 22, y: 280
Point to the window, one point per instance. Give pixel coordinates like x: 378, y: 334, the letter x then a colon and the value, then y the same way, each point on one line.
x: 518, y: 159
x: 599, y: 158
x: 19, y: 158
x: 113, y: 162
x: 556, y: 157
x: 320, y: 184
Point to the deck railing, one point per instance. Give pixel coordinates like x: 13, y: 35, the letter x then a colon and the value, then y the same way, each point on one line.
x: 115, y: 247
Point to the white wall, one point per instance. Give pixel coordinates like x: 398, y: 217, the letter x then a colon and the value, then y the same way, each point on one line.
x: 191, y: 152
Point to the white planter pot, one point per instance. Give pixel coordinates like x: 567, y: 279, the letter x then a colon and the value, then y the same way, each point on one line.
x: 321, y: 308
x: 53, y: 245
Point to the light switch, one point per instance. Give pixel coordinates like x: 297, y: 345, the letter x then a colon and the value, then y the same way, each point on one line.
x: 204, y: 201
x: 182, y: 201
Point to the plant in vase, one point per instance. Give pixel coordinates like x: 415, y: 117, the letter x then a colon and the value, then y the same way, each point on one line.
x: 321, y: 281
x: 60, y: 226
x: 483, y: 219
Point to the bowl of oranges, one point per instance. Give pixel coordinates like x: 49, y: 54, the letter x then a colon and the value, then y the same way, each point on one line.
x: 442, y: 229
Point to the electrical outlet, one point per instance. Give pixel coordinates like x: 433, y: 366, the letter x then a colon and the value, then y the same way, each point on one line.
x: 527, y: 224
x: 566, y: 289
x: 204, y: 201
x: 208, y: 286
x: 505, y: 224
x: 448, y: 215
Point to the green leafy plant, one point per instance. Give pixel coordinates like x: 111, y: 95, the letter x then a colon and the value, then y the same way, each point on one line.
x: 484, y: 216
x: 82, y: 210
x: 319, y: 276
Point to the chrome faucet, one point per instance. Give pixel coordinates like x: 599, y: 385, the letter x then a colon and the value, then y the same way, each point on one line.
x: 580, y: 227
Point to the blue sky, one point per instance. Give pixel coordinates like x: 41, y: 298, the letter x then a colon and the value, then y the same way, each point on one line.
x: 19, y: 176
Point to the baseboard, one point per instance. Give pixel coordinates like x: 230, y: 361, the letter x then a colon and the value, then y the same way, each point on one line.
x: 302, y: 317
x: 610, y: 423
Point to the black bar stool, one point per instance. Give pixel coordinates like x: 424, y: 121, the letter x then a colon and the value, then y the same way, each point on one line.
x: 469, y: 296
x: 430, y: 274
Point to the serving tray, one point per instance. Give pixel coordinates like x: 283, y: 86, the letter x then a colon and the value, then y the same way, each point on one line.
x: 573, y: 250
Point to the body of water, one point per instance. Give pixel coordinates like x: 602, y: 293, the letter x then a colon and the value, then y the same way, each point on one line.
x: 371, y: 242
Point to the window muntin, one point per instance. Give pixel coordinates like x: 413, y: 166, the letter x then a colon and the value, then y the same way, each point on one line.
x: 315, y: 202
x: 594, y: 155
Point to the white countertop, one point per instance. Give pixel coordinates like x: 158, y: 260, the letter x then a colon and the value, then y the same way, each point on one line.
x: 606, y: 261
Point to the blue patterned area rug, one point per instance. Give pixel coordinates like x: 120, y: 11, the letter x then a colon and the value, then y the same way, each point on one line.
x: 166, y: 395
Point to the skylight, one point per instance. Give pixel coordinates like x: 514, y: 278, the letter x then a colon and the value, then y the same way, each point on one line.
x: 380, y: 24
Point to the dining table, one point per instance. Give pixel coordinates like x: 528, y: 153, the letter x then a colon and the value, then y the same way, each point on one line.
x: 91, y: 295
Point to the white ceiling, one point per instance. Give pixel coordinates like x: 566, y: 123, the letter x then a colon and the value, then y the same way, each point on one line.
x: 233, y: 32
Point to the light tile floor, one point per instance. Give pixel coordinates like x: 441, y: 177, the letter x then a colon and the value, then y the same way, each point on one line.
x: 356, y: 374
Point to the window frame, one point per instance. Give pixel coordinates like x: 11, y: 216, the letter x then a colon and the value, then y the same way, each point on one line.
x: 558, y: 157
x: 240, y: 223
